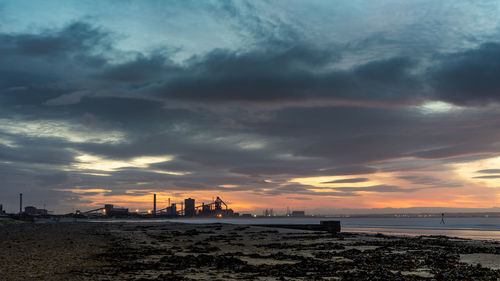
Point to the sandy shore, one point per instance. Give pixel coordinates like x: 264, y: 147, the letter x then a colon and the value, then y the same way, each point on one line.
x: 49, y: 251
x: 169, y: 251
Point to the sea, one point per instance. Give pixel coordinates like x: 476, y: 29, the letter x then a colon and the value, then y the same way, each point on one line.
x: 478, y: 228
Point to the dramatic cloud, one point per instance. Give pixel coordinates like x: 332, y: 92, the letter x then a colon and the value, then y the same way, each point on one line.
x: 469, y: 77
x: 353, y: 180
x: 489, y: 171
x: 488, y: 177
x: 287, y: 74
x: 267, y: 104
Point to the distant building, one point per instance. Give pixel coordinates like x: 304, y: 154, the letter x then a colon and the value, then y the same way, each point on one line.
x: 1, y: 210
x: 30, y: 210
x: 172, y: 210
x: 298, y: 213
x: 110, y: 210
x: 268, y: 212
x: 246, y: 215
x: 217, y: 208
x: 190, y: 209
x: 205, y: 209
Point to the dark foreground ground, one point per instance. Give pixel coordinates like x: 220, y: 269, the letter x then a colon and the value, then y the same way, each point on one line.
x: 116, y: 251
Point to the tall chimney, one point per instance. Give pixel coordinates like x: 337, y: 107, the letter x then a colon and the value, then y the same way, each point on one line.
x: 154, y: 204
x: 20, y: 203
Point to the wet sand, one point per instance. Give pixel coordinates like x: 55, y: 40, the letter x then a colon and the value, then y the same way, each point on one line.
x: 171, y: 251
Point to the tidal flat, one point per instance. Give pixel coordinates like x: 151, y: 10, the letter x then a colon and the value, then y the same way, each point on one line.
x: 175, y: 251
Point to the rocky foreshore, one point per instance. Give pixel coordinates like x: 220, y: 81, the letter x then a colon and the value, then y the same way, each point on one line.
x: 171, y: 251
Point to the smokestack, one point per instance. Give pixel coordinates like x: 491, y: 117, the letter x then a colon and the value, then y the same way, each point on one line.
x: 20, y: 203
x: 154, y: 204
x: 168, y: 201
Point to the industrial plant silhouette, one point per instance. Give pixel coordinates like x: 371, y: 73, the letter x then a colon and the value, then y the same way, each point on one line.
x: 188, y: 208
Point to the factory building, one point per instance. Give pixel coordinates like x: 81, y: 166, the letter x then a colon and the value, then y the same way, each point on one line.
x: 30, y: 210
x: 298, y: 213
x: 172, y: 210
x: 215, y: 209
x: 190, y: 209
x: 110, y: 210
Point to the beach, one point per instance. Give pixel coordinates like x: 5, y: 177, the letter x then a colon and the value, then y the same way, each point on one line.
x: 178, y: 251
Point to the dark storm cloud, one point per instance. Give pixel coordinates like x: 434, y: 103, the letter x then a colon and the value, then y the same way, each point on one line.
x: 353, y: 180
x: 350, y: 170
x: 488, y: 177
x: 431, y: 181
x: 141, y: 69
x: 469, y: 77
x: 285, y: 74
x: 76, y: 39
x: 267, y: 74
x: 330, y: 120
x: 313, y: 167
x: 353, y: 135
x: 57, y: 178
x: 299, y: 72
x: 122, y: 109
x: 457, y: 150
x: 37, y: 61
x: 36, y: 67
x: 346, y: 135
x: 377, y: 188
x: 489, y: 171
x: 36, y: 152
x: 426, y: 180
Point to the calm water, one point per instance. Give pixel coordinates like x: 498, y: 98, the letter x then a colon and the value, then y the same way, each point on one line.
x: 474, y: 228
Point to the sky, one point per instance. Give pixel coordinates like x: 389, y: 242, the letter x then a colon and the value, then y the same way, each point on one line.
x: 323, y: 106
